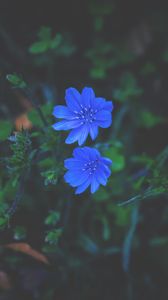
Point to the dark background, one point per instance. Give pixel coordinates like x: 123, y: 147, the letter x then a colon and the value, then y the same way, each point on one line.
x: 141, y: 26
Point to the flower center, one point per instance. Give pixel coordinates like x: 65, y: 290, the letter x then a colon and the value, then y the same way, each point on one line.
x: 91, y: 166
x: 86, y: 115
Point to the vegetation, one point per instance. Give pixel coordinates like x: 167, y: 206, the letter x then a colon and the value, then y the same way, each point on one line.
x: 111, y: 244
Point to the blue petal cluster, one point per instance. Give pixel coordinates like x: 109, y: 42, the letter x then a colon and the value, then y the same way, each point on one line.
x: 83, y: 114
x: 87, y: 167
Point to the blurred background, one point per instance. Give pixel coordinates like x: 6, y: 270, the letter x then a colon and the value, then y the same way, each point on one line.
x: 112, y: 245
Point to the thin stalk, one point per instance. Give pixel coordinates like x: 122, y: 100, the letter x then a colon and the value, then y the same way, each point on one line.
x: 18, y: 196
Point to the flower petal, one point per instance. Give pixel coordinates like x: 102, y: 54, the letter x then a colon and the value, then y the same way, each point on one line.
x: 83, y: 135
x: 108, y: 106
x: 62, y: 112
x: 94, y: 185
x: 101, y: 103
x: 106, y: 170
x: 79, y: 175
x: 75, y: 178
x: 100, y: 176
x: 83, y: 186
x: 92, y: 153
x: 72, y: 163
x: 80, y: 153
x: 93, y: 131
x: 107, y: 161
x: 103, y: 118
x: 66, y: 125
x: 87, y: 96
x: 102, y: 115
x: 73, y: 135
x: 73, y: 99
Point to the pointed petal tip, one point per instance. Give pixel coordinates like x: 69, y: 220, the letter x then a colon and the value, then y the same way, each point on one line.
x: 80, y: 143
x: 78, y: 192
x: 68, y: 141
x: 55, y: 127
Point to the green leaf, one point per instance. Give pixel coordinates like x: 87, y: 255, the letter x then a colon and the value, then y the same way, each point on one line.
x: 44, y: 42
x: 52, y: 218
x: 7, y: 191
x: 51, y: 176
x: 46, y: 163
x: 98, y: 73
x: 101, y: 195
x: 53, y: 236
x: 19, y: 233
x: 122, y: 214
x: 16, y: 80
x: 39, y: 47
x: 148, y: 120
x: 3, y: 222
x: 56, y: 41
x: 118, y: 159
x: 5, y: 130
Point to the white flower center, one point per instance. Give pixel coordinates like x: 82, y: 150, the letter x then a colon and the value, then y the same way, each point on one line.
x: 86, y: 115
x: 91, y: 166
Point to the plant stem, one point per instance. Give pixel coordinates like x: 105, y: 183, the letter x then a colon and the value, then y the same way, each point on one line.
x: 18, y: 196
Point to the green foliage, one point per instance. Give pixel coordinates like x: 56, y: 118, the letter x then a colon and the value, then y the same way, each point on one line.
x: 51, y: 177
x: 77, y: 231
x: 159, y: 179
x: 19, y: 233
x: 105, y: 56
x: 128, y: 88
x: 115, y: 153
x: 148, y: 68
x: 3, y: 222
x: 7, y: 191
x: 16, y: 81
x: 99, y: 56
x: 5, y: 129
x: 121, y: 214
x: 148, y: 119
x: 34, y: 115
x: 52, y: 218
x: 101, y: 195
x: 21, y: 154
x: 99, y: 11
x: 46, y: 42
x: 143, y: 160
x: 53, y: 236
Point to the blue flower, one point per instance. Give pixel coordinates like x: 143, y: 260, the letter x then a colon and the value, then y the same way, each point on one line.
x: 87, y: 167
x: 83, y: 114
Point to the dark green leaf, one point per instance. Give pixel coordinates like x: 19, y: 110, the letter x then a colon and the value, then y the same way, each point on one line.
x: 5, y: 129
x: 16, y: 80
